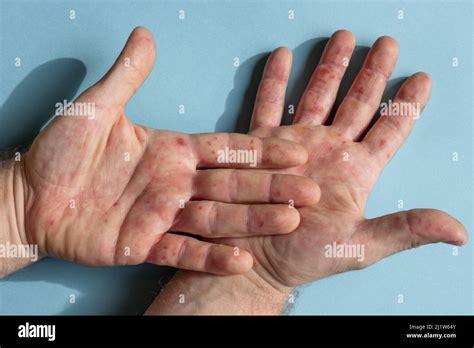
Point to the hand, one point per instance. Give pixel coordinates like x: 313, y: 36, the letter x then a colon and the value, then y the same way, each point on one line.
x: 100, y: 190
x: 345, y: 166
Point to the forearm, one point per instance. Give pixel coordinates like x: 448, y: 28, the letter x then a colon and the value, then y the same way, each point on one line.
x: 12, y: 220
x: 202, y: 293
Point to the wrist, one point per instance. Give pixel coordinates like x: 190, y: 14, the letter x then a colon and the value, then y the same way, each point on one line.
x: 15, y: 252
x: 191, y: 293
x: 267, y: 291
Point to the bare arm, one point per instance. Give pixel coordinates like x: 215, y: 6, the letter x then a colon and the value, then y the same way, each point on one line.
x: 201, y: 293
x: 12, y: 207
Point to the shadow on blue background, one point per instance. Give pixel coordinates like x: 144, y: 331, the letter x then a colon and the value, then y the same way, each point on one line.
x: 135, y: 286
x: 32, y: 103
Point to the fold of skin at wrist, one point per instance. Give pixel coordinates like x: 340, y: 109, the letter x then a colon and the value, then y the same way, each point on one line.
x: 13, y: 196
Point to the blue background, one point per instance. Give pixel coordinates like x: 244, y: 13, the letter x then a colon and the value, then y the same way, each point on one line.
x: 195, y: 68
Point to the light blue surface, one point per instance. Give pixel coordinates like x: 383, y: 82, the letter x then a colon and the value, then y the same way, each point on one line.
x: 195, y: 68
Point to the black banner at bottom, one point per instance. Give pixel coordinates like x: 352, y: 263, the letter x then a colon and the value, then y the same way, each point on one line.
x: 327, y: 330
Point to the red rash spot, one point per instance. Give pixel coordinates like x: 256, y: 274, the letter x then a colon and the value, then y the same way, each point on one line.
x: 209, y: 143
x: 323, y: 72
x: 397, y: 220
x: 50, y: 222
x: 382, y: 142
x: 261, y: 223
x: 180, y: 141
x: 165, y: 247
x: 163, y: 258
x: 252, y: 142
x: 200, y: 208
x: 317, y: 108
x: 115, y: 204
x: 405, y: 95
x: 213, y: 152
x: 359, y: 90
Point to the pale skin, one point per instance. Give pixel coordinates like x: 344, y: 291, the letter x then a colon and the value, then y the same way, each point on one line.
x: 346, y: 168
x: 105, y: 191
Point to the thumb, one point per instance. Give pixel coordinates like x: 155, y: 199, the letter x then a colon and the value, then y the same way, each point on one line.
x: 390, y: 234
x: 130, y: 70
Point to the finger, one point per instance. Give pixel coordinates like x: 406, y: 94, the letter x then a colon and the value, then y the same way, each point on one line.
x: 270, y: 100
x: 321, y: 92
x: 194, y: 255
x: 218, y: 220
x: 396, y: 232
x: 363, y: 99
x: 246, y: 186
x: 244, y: 151
x: 392, y: 128
x: 129, y: 71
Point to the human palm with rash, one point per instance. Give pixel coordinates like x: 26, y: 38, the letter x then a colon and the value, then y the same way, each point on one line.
x: 345, y: 166
x: 104, y: 191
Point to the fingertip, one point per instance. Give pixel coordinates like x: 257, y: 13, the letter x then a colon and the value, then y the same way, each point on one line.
x: 461, y: 237
x: 279, y: 63
x: 130, y: 69
x: 236, y: 261
x: 300, y: 154
x: 422, y: 75
x: 312, y: 193
x: 142, y: 40
x: 296, y: 154
x: 438, y: 226
x: 300, y: 190
x: 423, y: 78
x: 283, y: 52
x: 142, y: 32
x: 287, y: 220
x: 306, y: 192
x: 242, y: 263
x: 345, y: 35
x: 389, y: 43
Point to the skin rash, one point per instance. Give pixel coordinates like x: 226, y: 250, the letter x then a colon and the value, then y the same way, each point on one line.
x: 345, y: 166
x: 105, y: 191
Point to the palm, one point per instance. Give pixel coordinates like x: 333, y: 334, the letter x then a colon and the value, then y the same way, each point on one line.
x: 346, y: 174
x: 105, y: 186
x: 346, y: 169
